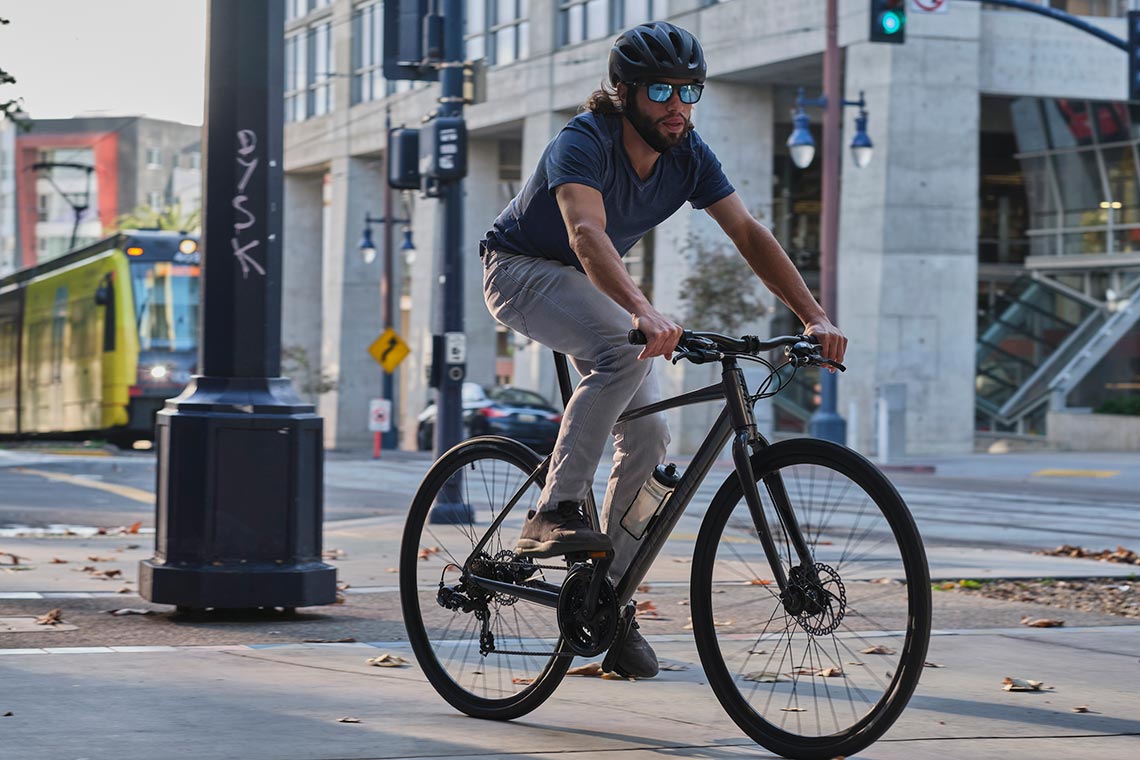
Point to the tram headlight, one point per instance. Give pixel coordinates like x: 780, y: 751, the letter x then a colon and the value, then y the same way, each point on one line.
x: 159, y: 372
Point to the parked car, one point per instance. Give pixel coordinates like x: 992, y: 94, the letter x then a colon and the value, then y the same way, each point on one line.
x: 499, y: 410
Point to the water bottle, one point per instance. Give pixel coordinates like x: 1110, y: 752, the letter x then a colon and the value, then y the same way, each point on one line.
x: 649, y: 500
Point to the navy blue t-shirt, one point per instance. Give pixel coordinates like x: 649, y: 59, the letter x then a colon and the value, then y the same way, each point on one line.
x: 589, y: 151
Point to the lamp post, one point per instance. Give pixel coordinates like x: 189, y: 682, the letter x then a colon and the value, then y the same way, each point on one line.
x: 388, y: 295
x: 825, y: 422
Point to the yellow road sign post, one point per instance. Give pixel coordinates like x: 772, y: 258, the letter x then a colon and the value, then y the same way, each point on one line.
x: 389, y: 350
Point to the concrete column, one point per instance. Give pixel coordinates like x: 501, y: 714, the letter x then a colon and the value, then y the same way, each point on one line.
x: 424, y: 293
x: 350, y: 304
x: 482, y: 203
x: 737, y: 122
x: 534, y: 366
x: 301, y: 282
x: 908, y: 233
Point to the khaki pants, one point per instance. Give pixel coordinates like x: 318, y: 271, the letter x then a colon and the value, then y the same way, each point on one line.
x: 559, y: 307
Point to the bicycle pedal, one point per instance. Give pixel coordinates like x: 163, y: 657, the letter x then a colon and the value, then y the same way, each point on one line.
x: 601, y: 554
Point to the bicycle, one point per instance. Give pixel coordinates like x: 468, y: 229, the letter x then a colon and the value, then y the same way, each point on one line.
x: 814, y: 639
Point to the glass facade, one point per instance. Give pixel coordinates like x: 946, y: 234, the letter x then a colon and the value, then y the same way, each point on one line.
x: 308, y: 72
x: 581, y: 20
x: 497, y: 31
x: 1079, y: 162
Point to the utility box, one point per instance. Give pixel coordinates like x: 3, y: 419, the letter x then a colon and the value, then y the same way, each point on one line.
x: 443, y: 149
x: 403, y: 159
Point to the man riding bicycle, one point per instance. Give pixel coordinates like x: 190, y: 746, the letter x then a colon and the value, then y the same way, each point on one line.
x: 553, y: 272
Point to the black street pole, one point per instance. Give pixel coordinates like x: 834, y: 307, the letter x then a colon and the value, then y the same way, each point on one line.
x: 240, y: 457
x: 451, y: 351
x: 390, y: 439
x: 826, y: 423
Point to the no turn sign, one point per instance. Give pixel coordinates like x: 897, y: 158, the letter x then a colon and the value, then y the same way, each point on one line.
x: 930, y: 6
x: 379, y: 415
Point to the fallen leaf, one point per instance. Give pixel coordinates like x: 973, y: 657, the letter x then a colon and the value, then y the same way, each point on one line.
x: 347, y: 719
x: 763, y: 676
x: 100, y: 559
x: 1081, y: 709
x: 760, y: 582
x: 392, y: 570
x: 15, y: 558
x: 929, y: 664
x: 615, y: 677
x: 830, y: 672
x: 855, y: 662
x: 1041, y: 622
x: 672, y: 666
x: 123, y: 590
x: 51, y: 617
x: 424, y: 553
x: 522, y: 681
x: 887, y: 581
x: 130, y: 611
x: 388, y: 661
x: 684, y: 602
x: 589, y: 669
x: 1021, y: 684
x: 794, y: 709
x: 757, y: 651
x: 877, y: 649
x: 682, y: 560
x: 333, y: 554
x: 106, y: 574
x: 646, y: 609
x: 803, y: 671
x: 722, y: 623
x: 347, y: 640
x: 8, y: 714
x: 58, y: 561
x: 643, y: 588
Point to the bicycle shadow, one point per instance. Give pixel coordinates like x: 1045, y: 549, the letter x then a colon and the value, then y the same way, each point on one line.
x: 1051, y: 717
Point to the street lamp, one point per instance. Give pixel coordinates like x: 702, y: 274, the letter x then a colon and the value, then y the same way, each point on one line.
x: 801, y: 144
x: 387, y: 292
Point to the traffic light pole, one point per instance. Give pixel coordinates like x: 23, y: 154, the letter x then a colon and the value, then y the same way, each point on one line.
x: 240, y: 457
x: 451, y: 352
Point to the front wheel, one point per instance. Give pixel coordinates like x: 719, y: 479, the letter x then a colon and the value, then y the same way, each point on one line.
x: 824, y: 669
x: 489, y: 653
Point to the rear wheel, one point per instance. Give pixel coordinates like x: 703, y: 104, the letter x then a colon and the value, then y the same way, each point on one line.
x: 824, y: 669
x: 452, y: 623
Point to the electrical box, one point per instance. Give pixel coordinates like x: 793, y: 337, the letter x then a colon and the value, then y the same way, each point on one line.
x: 404, y: 158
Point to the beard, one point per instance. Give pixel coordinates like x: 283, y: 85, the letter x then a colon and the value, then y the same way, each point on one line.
x: 649, y: 128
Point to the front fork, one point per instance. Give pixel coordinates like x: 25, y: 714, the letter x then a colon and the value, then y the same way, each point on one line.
x: 746, y: 435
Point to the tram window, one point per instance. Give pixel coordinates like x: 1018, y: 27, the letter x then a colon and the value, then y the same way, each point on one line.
x: 166, y: 305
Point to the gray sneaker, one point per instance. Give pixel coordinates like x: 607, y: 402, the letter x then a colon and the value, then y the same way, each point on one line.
x: 562, y: 530
x: 637, y: 658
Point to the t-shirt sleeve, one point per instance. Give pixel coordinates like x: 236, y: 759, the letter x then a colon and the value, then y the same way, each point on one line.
x: 712, y: 185
x: 577, y: 155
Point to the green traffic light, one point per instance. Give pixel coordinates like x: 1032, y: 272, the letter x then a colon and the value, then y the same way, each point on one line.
x: 890, y: 22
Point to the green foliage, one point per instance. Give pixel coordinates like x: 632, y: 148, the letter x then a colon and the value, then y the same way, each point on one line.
x: 721, y: 291
x: 167, y: 218
x: 12, y: 108
x: 1120, y: 405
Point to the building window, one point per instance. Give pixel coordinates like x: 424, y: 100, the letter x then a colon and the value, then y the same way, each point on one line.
x: 194, y: 161
x: 43, y: 208
x: 295, y: 9
x: 368, y: 53
x: 153, y: 158
x: 308, y: 72
x: 498, y: 31
x: 154, y: 200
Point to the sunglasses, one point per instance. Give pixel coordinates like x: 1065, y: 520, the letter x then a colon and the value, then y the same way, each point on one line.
x: 661, y: 92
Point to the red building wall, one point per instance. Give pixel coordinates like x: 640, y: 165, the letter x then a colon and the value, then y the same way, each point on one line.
x: 106, y: 149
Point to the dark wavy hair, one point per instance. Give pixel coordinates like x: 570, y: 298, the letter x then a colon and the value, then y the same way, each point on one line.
x: 603, y: 100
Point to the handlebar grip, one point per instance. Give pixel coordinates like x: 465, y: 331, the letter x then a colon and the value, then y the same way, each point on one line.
x: 637, y: 337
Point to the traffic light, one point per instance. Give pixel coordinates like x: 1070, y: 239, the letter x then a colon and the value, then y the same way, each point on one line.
x: 888, y: 21
x: 1134, y: 55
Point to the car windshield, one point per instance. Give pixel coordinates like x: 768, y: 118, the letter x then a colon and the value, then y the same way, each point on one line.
x: 518, y: 397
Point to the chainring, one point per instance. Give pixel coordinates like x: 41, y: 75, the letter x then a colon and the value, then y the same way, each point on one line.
x: 587, y: 632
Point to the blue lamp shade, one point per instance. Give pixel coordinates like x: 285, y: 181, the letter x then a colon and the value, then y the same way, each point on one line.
x: 800, y: 142
x: 861, y: 147
x: 408, y: 245
x: 367, y: 247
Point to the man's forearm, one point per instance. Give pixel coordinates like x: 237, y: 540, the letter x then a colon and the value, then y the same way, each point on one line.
x: 771, y: 264
x: 604, y: 267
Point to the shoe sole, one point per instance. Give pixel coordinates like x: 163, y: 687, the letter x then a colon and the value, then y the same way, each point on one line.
x: 542, y: 549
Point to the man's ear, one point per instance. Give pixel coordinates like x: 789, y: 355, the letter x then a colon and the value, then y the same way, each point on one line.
x: 622, y: 92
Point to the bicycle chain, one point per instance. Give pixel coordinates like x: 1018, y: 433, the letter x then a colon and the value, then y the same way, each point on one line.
x: 524, y: 653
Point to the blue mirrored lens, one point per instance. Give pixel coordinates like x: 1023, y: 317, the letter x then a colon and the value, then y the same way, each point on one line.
x: 659, y: 92
x: 690, y: 93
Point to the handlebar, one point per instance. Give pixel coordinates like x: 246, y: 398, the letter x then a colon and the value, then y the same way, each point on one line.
x: 702, y: 347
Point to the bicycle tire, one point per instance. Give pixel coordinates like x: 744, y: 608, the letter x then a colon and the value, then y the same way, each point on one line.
x: 446, y: 642
x: 866, y: 604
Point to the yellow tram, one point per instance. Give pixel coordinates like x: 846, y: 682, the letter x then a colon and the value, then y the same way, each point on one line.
x: 95, y: 341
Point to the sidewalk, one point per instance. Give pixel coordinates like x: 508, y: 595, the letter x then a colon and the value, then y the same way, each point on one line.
x: 253, y: 701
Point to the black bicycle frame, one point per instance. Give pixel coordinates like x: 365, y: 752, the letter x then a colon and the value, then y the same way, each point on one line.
x: 736, y: 422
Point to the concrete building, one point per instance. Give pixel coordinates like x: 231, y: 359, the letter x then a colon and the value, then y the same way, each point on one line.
x: 988, y: 259
x: 93, y: 169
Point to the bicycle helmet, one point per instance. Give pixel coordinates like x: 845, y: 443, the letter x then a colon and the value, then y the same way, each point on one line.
x: 657, y: 49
